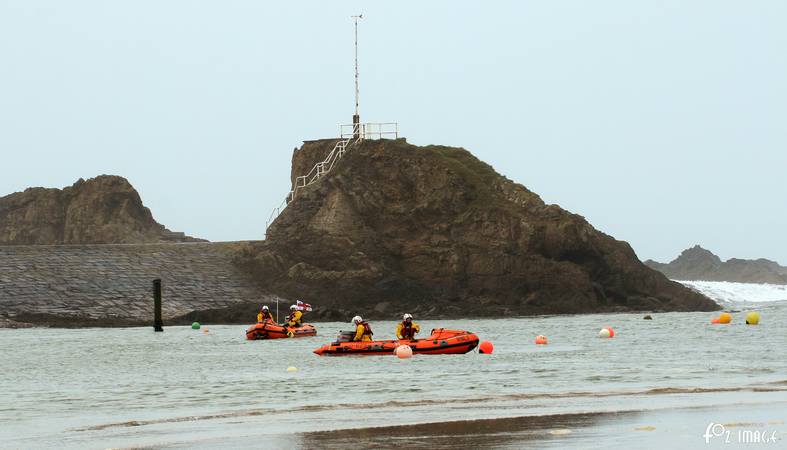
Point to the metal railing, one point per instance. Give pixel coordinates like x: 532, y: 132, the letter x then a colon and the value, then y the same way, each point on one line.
x: 276, y: 211
x: 383, y: 130
x: 348, y: 135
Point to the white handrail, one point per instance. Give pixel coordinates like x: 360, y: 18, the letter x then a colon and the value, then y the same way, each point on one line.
x: 276, y: 211
x: 319, y: 169
x: 357, y: 133
x: 381, y: 130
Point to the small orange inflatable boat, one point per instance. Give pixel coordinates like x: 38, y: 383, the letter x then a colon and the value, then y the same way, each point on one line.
x: 271, y: 330
x: 440, y: 342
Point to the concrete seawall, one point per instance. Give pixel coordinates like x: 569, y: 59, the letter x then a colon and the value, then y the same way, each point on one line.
x: 113, y: 282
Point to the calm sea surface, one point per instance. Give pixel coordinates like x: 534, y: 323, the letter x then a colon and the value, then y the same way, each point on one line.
x: 99, y: 388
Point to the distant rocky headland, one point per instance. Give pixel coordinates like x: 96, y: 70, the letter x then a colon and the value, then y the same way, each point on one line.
x: 102, y: 210
x: 697, y: 263
x: 393, y: 227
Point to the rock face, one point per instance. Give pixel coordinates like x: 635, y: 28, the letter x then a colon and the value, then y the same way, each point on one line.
x: 696, y: 263
x: 101, y: 210
x: 433, y: 230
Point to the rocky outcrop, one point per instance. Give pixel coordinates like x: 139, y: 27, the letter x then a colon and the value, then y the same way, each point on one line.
x: 101, y: 210
x: 433, y: 230
x: 697, y: 263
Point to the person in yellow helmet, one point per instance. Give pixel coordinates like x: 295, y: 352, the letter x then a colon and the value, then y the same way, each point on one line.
x: 363, y: 332
x: 407, y: 328
x: 295, y: 317
x: 265, y: 315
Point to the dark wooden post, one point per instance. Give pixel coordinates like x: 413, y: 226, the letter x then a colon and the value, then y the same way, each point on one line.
x: 158, y: 324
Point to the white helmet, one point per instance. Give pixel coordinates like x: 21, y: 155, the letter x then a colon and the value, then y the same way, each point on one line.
x: 357, y: 320
x: 265, y: 308
x: 293, y: 307
x: 407, y: 316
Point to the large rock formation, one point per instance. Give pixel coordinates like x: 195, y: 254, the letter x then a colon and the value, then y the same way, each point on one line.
x: 696, y: 263
x: 101, y: 210
x: 433, y: 230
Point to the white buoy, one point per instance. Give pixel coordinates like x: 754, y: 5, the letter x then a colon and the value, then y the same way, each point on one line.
x: 403, y: 351
x: 605, y: 332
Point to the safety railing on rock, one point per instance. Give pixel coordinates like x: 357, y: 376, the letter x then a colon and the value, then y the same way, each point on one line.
x: 348, y: 135
x: 385, y: 130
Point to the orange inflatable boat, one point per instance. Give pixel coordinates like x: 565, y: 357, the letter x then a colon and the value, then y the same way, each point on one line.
x: 271, y: 330
x: 440, y: 342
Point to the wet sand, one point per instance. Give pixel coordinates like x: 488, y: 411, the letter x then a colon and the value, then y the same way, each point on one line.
x: 753, y: 425
x: 675, y: 428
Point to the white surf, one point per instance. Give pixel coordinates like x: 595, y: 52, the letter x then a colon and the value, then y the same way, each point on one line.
x: 729, y: 292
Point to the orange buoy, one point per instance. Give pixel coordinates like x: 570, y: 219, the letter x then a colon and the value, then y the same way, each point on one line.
x: 486, y: 347
x: 403, y: 351
x: 725, y: 318
x: 606, y: 332
x: 715, y: 321
x: 541, y: 339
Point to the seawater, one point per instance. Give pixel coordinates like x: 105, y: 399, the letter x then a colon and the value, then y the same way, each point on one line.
x: 130, y: 387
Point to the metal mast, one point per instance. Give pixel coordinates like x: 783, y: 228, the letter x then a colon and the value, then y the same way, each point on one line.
x: 356, y: 116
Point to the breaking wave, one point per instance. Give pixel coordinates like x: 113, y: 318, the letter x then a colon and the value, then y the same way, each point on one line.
x: 731, y: 293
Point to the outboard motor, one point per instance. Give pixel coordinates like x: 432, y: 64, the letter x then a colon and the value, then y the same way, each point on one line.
x: 345, y: 336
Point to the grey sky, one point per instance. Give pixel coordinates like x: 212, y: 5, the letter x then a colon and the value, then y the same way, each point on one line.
x: 662, y: 122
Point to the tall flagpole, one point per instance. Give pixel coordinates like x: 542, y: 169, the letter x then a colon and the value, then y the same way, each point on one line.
x: 357, y: 115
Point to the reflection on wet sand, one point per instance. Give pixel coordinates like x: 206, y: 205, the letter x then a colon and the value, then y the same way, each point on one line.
x: 630, y: 429
x: 460, y: 434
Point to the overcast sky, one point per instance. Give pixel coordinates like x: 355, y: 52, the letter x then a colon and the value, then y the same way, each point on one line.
x: 664, y: 123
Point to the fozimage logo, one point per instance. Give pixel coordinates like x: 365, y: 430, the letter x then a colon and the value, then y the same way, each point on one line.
x: 740, y: 436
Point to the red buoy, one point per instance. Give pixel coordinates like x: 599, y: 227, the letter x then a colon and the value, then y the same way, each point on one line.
x: 486, y: 347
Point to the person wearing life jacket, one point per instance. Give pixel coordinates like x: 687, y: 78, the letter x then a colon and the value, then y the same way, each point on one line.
x: 295, y: 317
x: 363, y: 332
x: 407, y: 328
x: 265, y: 315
